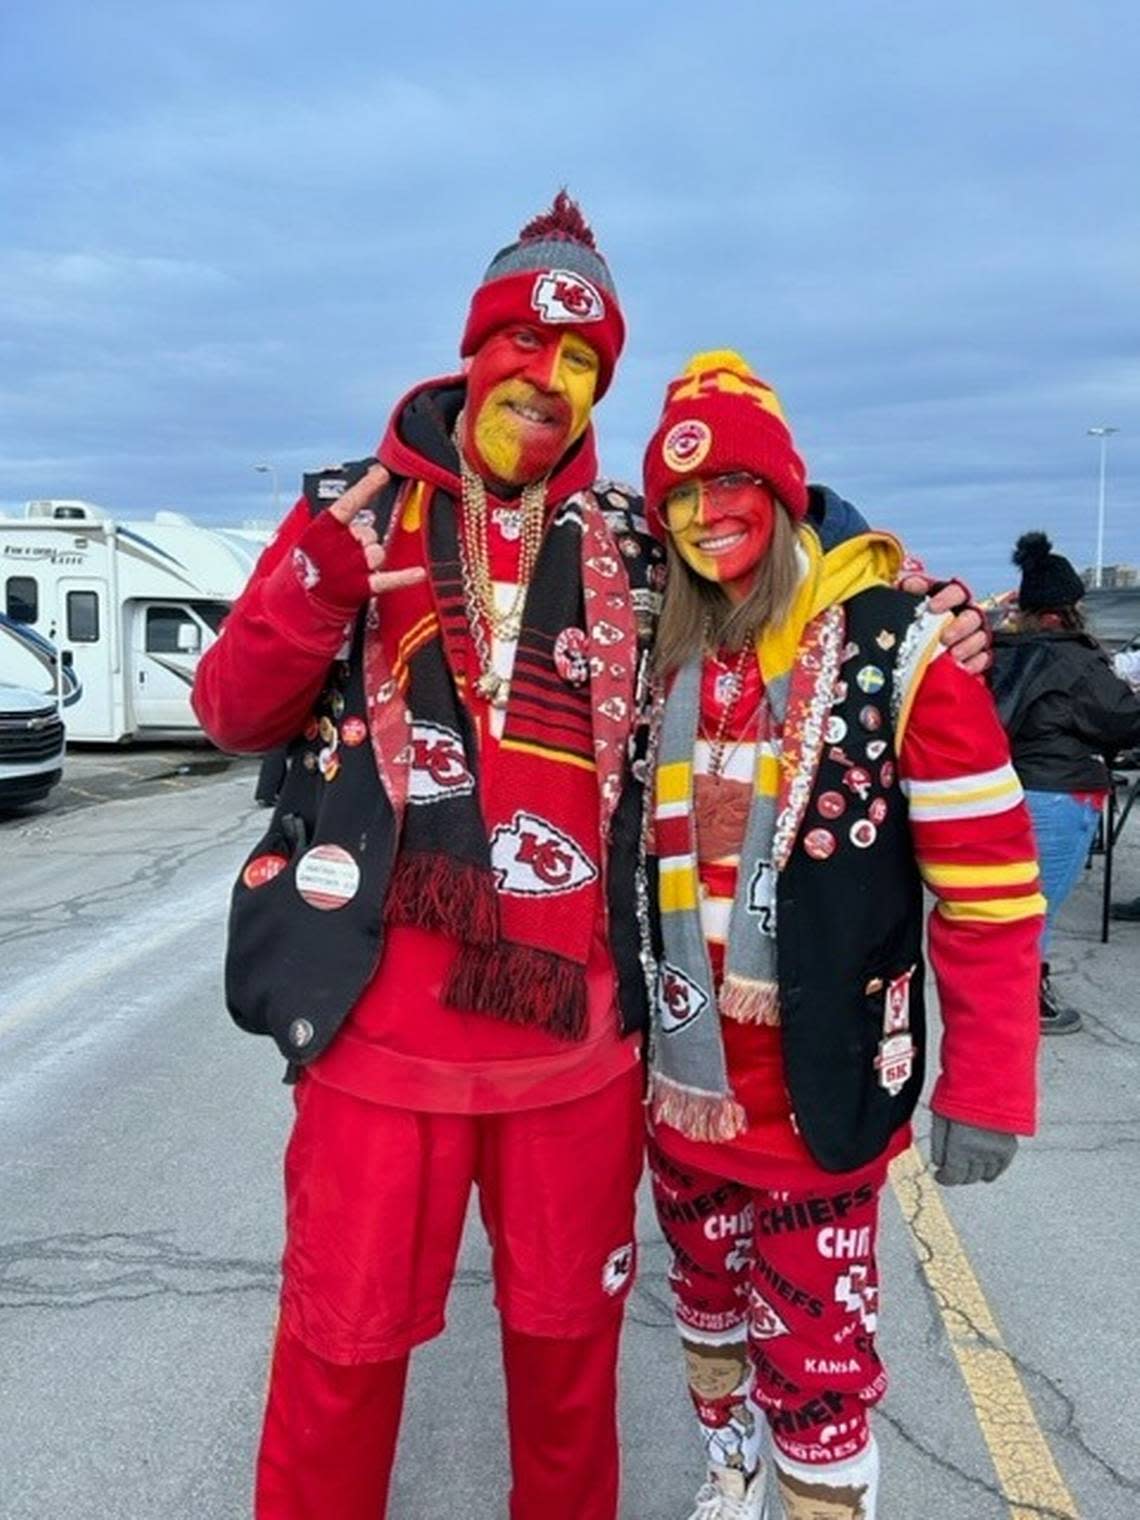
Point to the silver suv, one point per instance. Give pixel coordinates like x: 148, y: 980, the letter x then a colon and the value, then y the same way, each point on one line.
x: 31, y: 745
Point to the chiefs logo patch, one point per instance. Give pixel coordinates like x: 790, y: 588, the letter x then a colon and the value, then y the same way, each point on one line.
x: 531, y: 858
x: 562, y: 296
x: 618, y: 1269
x: 438, y: 765
x: 680, y: 999
x: 687, y: 445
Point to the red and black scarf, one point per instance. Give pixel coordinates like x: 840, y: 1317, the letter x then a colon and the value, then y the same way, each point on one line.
x: 514, y: 878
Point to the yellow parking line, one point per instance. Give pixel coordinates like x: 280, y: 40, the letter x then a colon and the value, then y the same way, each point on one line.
x: 1028, y: 1475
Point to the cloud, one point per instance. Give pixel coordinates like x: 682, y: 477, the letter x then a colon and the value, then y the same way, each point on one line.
x: 241, y: 237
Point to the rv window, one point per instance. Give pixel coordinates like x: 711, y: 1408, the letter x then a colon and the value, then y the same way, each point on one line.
x: 212, y: 613
x: 162, y: 625
x: 83, y: 617
x: 21, y: 598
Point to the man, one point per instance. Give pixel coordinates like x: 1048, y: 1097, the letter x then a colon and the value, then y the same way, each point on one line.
x: 445, y: 926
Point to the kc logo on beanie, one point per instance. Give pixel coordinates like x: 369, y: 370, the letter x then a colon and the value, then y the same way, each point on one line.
x: 562, y: 296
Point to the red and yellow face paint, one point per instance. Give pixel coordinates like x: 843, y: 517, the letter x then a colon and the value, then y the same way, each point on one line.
x: 529, y: 396
x: 722, y: 527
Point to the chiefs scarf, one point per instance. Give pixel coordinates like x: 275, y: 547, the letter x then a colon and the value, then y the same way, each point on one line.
x: 514, y: 878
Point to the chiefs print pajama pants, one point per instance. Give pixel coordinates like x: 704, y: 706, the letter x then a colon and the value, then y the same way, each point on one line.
x: 776, y: 1298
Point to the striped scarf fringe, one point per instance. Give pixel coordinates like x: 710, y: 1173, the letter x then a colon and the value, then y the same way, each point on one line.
x: 750, y: 1002
x: 699, y: 1115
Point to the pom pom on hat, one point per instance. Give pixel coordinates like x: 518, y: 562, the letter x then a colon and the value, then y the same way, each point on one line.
x: 564, y: 219
x: 718, y: 358
x: 719, y: 417
x: 1031, y: 549
x: 552, y: 276
x: 1048, y: 580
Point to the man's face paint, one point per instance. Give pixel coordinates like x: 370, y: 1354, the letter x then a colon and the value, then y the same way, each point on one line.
x: 529, y: 394
x: 722, y: 527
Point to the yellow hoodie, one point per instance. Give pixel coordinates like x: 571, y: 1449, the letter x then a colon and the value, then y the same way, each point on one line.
x: 868, y: 559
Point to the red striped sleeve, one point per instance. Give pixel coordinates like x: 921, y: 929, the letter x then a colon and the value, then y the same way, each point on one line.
x: 976, y: 852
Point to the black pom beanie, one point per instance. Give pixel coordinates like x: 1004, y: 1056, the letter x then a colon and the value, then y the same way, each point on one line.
x: 1048, y: 580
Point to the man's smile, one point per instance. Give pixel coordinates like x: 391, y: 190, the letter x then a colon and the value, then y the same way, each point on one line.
x: 539, y: 410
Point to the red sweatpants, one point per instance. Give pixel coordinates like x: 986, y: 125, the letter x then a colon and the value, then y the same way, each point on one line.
x: 376, y: 1199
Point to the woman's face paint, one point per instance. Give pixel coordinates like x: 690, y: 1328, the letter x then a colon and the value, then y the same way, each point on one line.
x: 529, y: 395
x: 722, y: 528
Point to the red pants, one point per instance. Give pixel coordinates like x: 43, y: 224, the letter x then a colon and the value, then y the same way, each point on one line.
x: 777, y: 1303
x: 375, y: 1203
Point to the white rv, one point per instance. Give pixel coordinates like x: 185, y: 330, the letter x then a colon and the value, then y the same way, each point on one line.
x: 129, y: 605
x: 27, y: 659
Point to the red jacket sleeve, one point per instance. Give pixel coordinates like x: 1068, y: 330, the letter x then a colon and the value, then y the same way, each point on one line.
x: 975, y: 848
x: 257, y: 682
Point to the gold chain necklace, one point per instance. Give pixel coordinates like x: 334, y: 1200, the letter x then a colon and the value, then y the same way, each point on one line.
x: 475, y: 569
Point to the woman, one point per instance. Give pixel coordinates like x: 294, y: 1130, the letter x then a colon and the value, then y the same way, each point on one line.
x: 1063, y: 709
x: 816, y: 754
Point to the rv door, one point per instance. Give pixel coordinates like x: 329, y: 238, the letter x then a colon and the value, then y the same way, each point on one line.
x: 166, y: 640
x: 85, y: 639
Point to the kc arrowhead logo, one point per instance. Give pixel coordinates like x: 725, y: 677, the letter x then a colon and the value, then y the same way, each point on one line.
x: 562, y: 296
x: 679, y: 997
x: 438, y: 765
x: 531, y: 858
x: 764, y: 1324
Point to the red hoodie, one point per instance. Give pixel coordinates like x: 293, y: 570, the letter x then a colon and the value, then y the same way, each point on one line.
x: 255, y: 689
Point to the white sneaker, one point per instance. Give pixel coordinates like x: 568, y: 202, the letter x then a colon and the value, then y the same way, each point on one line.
x: 727, y: 1495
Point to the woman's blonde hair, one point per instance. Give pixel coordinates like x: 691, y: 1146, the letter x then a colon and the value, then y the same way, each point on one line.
x: 699, y: 615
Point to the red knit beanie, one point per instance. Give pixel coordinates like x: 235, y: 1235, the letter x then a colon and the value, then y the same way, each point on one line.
x: 719, y: 417
x: 554, y: 275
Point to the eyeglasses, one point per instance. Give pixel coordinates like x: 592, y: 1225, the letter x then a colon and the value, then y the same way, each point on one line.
x: 680, y: 507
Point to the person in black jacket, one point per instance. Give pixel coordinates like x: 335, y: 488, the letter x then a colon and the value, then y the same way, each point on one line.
x: 1065, y: 711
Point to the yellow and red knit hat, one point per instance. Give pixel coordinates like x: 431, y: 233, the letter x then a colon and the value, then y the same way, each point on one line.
x: 553, y: 276
x: 719, y: 417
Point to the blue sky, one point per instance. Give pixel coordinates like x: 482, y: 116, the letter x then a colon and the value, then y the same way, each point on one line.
x: 236, y: 232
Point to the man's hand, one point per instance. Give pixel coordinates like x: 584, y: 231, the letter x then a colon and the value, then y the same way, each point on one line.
x: 968, y: 636
x: 351, y: 510
x: 963, y: 1154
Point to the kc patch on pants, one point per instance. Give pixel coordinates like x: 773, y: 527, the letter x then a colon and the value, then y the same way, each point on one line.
x: 781, y: 1287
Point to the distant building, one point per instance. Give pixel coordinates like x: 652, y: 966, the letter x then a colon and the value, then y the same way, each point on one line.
x: 1113, y: 577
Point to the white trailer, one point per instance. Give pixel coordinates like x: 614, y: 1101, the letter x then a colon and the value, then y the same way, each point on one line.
x: 129, y: 605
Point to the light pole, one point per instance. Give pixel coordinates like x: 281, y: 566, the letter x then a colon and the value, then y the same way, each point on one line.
x: 271, y: 471
x: 1104, y: 434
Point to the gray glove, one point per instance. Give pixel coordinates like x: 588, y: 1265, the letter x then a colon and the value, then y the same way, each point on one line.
x: 962, y: 1153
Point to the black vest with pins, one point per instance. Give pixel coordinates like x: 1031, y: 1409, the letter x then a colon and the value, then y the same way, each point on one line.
x: 850, y: 910
x: 295, y: 974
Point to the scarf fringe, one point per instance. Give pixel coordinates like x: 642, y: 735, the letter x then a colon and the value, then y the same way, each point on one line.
x: 521, y: 985
x: 434, y: 892
x: 748, y: 1002
x: 697, y: 1115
